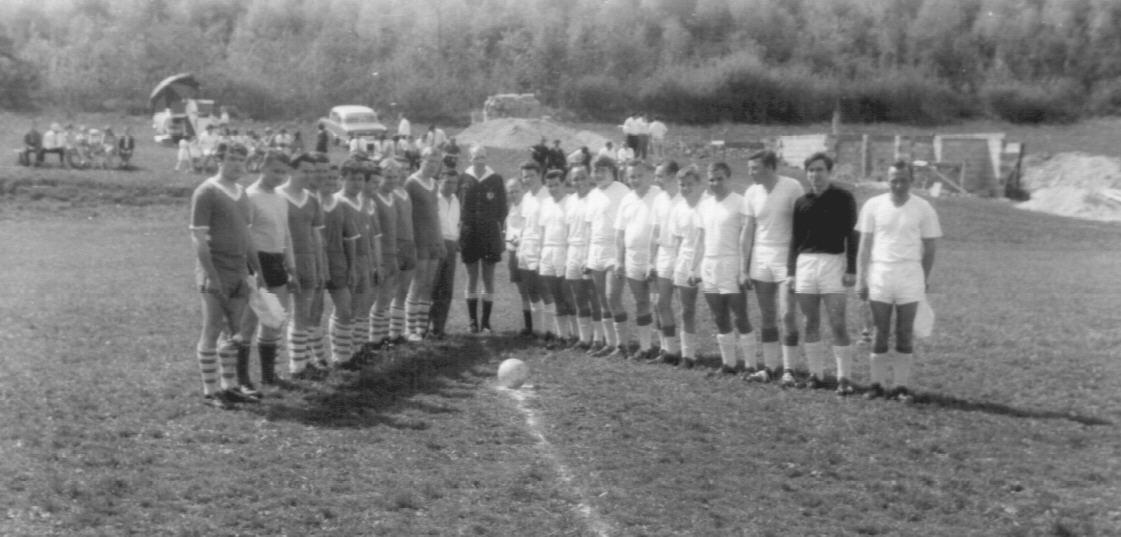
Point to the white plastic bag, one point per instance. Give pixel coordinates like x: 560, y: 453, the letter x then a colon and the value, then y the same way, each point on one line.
x: 924, y: 320
x: 270, y: 312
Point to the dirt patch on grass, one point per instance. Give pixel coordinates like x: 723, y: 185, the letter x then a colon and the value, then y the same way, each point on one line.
x: 522, y: 133
x: 1075, y: 184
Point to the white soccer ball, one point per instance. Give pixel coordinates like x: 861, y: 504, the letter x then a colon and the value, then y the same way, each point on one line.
x: 512, y: 373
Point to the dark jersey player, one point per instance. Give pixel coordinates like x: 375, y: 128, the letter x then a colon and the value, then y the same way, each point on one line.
x: 483, y: 198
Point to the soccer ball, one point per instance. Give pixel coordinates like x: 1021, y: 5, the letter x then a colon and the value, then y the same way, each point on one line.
x: 512, y: 373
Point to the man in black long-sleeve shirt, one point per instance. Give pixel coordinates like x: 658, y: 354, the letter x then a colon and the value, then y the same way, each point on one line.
x: 822, y: 265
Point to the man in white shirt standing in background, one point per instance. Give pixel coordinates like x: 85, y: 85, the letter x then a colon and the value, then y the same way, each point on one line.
x: 444, y: 284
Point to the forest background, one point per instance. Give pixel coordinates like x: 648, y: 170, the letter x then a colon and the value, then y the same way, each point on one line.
x: 687, y: 61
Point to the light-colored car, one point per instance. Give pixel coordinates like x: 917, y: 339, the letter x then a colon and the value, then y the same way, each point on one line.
x: 345, y: 120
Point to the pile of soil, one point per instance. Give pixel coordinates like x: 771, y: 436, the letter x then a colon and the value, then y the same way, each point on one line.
x: 1078, y: 185
x: 523, y: 133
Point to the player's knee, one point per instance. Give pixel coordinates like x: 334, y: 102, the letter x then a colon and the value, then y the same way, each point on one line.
x: 769, y: 334
x: 840, y: 334
x: 743, y: 325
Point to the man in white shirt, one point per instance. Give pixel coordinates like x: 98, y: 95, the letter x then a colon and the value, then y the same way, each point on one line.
x: 897, y: 245
x: 575, y: 273
x: 665, y: 257
x: 603, y: 207
x: 443, y: 286
x: 271, y: 238
x: 630, y: 135
x: 53, y: 142
x: 552, y: 228
x: 624, y: 155
x: 607, y: 151
x: 529, y: 244
x: 683, y: 226
x: 208, y: 141
x: 658, y: 132
x: 642, y: 128
x: 634, y: 227
x: 769, y: 207
x: 717, y: 262
x: 404, y: 128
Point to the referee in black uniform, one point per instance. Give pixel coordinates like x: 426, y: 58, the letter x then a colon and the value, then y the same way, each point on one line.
x: 822, y: 266
x: 482, y: 241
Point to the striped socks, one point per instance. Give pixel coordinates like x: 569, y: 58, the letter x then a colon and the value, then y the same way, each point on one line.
x: 208, y: 366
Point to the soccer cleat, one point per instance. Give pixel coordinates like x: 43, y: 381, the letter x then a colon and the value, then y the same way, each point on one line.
x: 844, y: 387
x: 219, y: 400
x: 727, y: 370
x: 688, y: 363
x: 669, y: 358
x: 250, y: 391
x: 236, y: 395
x: 620, y: 352
x: 760, y: 376
x: 788, y: 380
x: 814, y: 383
x: 874, y: 391
x: 903, y: 395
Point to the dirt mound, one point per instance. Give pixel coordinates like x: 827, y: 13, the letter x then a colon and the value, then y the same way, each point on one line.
x: 1075, y: 184
x: 522, y: 133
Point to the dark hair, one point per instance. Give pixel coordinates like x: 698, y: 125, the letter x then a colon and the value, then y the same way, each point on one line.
x: 671, y: 167
x: 767, y: 157
x: 303, y: 157
x: 820, y: 155
x: 905, y: 167
x: 555, y: 174
x: 531, y: 165
x: 275, y: 155
x: 640, y: 164
x: 609, y: 164
x: 350, y: 166
x: 690, y: 171
x: 721, y: 165
x: 230, y: 147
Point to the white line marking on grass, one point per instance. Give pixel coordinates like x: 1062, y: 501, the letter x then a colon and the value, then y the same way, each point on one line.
x: 533, y: 421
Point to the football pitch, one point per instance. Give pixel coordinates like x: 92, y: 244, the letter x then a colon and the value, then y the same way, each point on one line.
x: 1015, y: 433
x: 102, y: 430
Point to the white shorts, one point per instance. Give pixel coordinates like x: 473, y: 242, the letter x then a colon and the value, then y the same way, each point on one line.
x: 768, y: 263
x: 666, y: 262
x: 601, y: 257
x: 553, y: 260
x: 637, y: 263
x: 574, y: 264
x: 896, y: 283
x: 529, y: 256
x: 820, y: 274
x: 720, y: 275
x: 682, y: 270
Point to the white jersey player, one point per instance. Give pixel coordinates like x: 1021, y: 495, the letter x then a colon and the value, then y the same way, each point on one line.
x: 769, y: 208
x: 634, y: 264
x: 897, y: 245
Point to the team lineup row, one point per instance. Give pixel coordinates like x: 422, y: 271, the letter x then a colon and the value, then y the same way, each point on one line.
x: 384, y: 247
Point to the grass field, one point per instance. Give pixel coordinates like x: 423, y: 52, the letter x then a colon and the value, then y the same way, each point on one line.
x: 1015, y: 434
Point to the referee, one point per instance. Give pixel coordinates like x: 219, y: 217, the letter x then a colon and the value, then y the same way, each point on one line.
x: 483, y: 199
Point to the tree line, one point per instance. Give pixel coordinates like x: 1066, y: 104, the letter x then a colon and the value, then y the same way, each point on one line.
x: 692, y: 61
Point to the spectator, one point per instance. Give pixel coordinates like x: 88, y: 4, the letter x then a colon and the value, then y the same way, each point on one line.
x: 607, y: 151
x: 32, y: 145
x: 658, y: 132
x: 555, y: 158
x: 642, y: 127
x: 630, y: 133
x: 296, y: 146
x: 404, y: 128
x: 624, y: 155
x: 183, y: 161
x: 108, y: 147
x: 125, y: 147
x: 540, y: 153
x: 208, y: 141
x: 53, y: 143
x: 321, y: 140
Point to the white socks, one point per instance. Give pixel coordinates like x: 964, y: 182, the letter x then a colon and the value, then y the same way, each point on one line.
x: 771, y: 355
x: 688, y: 349
x: 879, y: 365
x: 789, y: 355
x: 843, y: 356
x: 727, y: 344
x: 815, y: 358
x: 747, y: 348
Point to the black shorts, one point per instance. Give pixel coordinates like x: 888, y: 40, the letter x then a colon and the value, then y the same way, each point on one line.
x: 272, y: 268
x: 481, y: 242
x: 512, y: 267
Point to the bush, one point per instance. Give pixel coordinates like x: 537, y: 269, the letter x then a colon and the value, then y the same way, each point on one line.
x: 596, y: 97
x: 1020, y: 102
x: 1106, y: 97
x: 902, y: 97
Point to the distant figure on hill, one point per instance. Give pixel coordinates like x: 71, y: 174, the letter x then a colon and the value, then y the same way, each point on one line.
x: 642, y: 127
x: 32, y: 145
x: 607, y: 151
x: 53, y: 143
x: 555, y: 159
x: 658, y: 132
x: 322, y: 140
x: 540, y: 153
x: 404, y: 128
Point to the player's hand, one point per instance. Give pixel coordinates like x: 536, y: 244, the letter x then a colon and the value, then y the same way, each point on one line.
x: 848, y: 280
x: 261, y: 280
x: 212, y: 286
x: 652, y: 276
x: 293, y: 284
x: 693, y: 281
x: 351, y: 278
x: 745, y: 282
x: 862, y: 292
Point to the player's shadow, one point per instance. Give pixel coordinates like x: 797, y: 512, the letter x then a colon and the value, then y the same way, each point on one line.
x: 954, y: 403
x: 384, y: 392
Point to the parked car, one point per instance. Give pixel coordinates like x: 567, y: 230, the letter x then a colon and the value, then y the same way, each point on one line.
x: 345, y: 120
